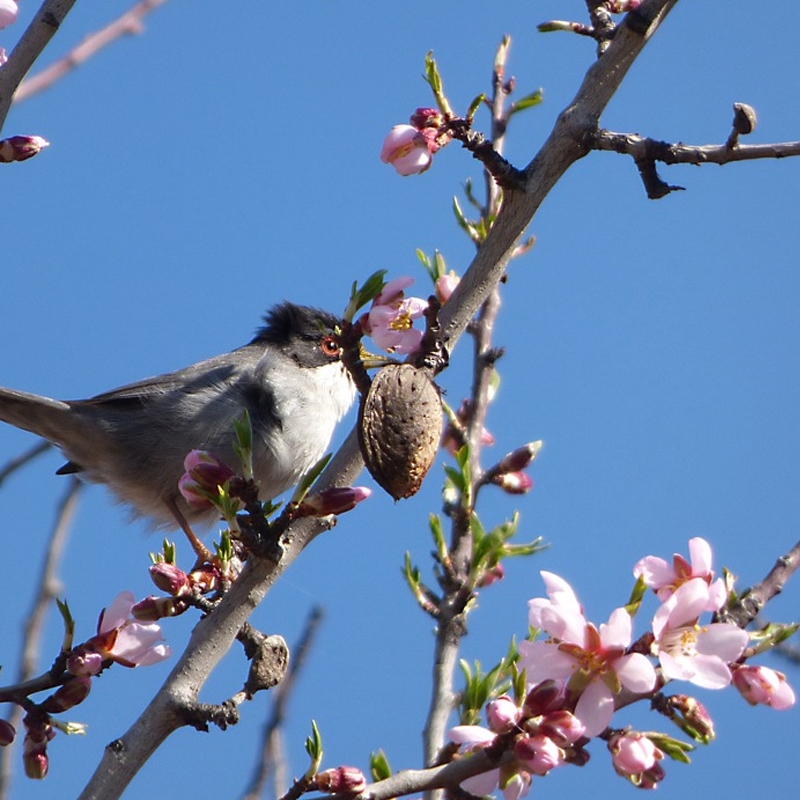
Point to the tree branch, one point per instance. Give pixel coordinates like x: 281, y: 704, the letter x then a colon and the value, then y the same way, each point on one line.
x: 645, y: 152
x: 36, y: 37
x: 128, y: 23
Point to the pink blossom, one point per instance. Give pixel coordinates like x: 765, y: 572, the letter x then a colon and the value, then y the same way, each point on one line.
x: 691, y: 652
x: 763, y: 685
x: 407, y: 150
x: 513, y: 781
x: 593, y: 661
x: 390, y: 320
x: 666, y: 578
x: 125, y: 640
x: 8, y: 13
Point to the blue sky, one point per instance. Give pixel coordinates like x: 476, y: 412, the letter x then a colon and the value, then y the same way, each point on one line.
x: 226, y: 159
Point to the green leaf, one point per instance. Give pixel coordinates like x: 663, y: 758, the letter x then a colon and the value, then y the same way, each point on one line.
x: 379, y: 766
x: 314, y: 746
x: 637, y: 594
x: 529, y: 101
x: 69, y: 624
x: 243, y: 443
x: 359, y: 297
x: 307, y: 481
x: 674, y: 748
x: 474, y: 106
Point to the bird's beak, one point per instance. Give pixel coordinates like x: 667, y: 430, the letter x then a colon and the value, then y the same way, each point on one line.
x: 373, y: 361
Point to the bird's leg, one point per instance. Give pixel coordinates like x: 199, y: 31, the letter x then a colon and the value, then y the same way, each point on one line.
x: 204, y: 555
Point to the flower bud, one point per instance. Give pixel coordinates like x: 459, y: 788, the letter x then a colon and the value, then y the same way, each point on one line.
x: 496, y: 573
x: 502, y: 714
x: 205, y: 578
x: 71, y: 694
x: 341, y: 780
x: 694, y: 718
x: 83, y: 662
x: 406, y: 149
x: 445, y: 286
x: 204, y: 475
x: 336, y: 500
x: 7, y: 733
x: 763, y: 685
x: 169, y: 578
x: 152, y: 608
x: 538, y: 753
x: 563, y: 727
x: 635, y: 757
x: 20, y: 148
x: 520, y: 458
x: 544, y: 698
x: 427, y: 118
x: 513, y: 482
x: 8, y: 13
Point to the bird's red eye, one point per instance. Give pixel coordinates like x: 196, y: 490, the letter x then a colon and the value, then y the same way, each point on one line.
x: 329, y: 346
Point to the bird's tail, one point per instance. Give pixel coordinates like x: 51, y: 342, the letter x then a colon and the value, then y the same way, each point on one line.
x: 50, y: 419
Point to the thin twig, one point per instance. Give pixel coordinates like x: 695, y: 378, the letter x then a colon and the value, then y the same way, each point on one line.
x: 271, y: 753
x: 646, y: 152
x: 751, y: 603
x: 128, y: 23
x: 49, y: 586
x: 17, y: 462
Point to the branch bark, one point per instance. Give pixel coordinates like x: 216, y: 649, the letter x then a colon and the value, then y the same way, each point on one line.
x: 36, y: 37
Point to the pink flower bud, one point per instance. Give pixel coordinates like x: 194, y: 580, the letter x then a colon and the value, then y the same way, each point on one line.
x: 544, y: 698
x: 35, y: 762
x: 20, y: 148
x: 538, y: 753
x: 763, y: 685
x: 205, y: 578
x: 204, y: 476
x: 445, y: 286
x: 154, y: 608
x: 496, y: 573
x: 7, y: 733
x: 563, y: 727
x: 693, y: 716
x: 502, y: 714
x: 8, y: 13
x: 82, y: 662
x: 427, y: 118
x: 636, y: 758
x: 341, y: 780
x: 513, y: 482
x: 406, y: 149
x: 71, y: 694
x: 336, y: 500
x: 520, y: 458
x: 38, y: 733
x: 169, y: 578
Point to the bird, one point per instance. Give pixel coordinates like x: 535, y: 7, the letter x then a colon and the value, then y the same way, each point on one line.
x: 289, y: 378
